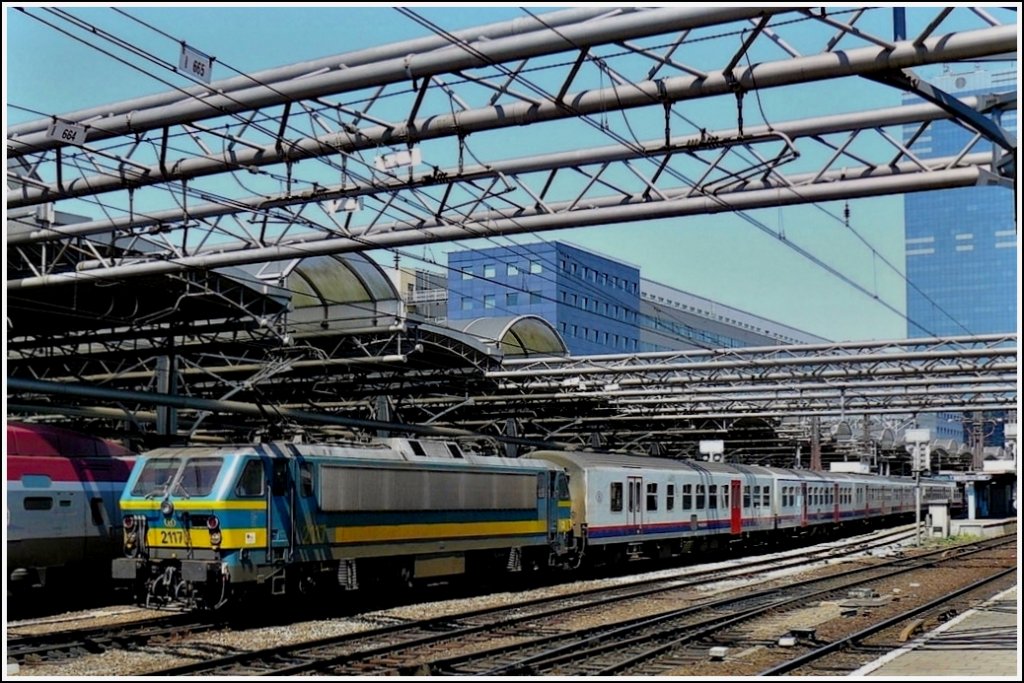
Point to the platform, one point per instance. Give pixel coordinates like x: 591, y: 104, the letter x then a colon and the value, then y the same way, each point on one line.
x: 981, y: 642
x: 983, y: 527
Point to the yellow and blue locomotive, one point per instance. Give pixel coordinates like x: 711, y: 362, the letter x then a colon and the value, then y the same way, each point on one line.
x: 204, y: 524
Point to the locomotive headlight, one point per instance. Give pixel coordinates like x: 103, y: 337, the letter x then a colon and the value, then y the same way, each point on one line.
x: 167, y: 508
x: 213, y: 524
x: 128, y: 523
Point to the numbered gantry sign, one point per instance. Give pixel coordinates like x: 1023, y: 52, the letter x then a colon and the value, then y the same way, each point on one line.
x: 71, y: 133
x: 195, y: 63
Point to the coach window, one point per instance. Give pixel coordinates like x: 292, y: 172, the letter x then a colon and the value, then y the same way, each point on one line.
x: 700, y: 496
x: 652, y: 497
x: 250, y: 483
x: 713, y: 496
x: 616, y: 496
x: 670, y: 496
x: 725, y: 495
x: 38, y: 503
x: 746, y: 496
x: 757, y: 497
x: 766, y: 492
x: 687, y: 496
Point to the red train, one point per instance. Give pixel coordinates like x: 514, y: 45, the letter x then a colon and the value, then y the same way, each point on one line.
x: 61, y: 503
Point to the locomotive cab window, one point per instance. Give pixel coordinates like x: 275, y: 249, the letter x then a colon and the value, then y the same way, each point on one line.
x: 155, y: 476
x: 279, y: 481
x: 306, y: 477
x: 250, y: 482
x: 197, y: 477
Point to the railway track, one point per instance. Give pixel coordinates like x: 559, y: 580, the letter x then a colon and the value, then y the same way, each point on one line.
x: 76, y: 642
x: 817, y: 660
x: 382, y: 649
x: 645, y: 646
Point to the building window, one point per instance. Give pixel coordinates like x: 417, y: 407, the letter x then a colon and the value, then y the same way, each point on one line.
x: 511, y: 299
x: 467, y: 273
x: 488, y: 301
x: 536, y: 267
x: 512, y: 269
x: 535, y: 297
x: 489, y: 270
x: 467, y: 303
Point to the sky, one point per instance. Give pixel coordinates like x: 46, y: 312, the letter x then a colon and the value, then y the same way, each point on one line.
x: 746, y: 260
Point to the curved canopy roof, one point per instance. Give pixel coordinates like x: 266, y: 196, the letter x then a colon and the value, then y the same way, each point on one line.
x: 523, y: 335
x: 342, y: 291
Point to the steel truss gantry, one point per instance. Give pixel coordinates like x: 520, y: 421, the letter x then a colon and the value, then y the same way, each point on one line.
x: 319, y: 137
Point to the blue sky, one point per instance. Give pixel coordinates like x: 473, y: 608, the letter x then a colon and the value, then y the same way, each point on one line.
x: 729, y: 258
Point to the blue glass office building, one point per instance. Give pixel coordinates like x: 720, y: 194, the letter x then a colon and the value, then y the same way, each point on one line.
x: 961, y: 244
x: 593, y: 301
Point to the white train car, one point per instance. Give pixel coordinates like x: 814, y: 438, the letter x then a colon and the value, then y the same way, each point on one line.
x: 658, y: 507
x: 655, y: 507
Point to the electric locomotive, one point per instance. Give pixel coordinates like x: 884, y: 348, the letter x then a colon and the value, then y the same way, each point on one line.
x: 204, y: 525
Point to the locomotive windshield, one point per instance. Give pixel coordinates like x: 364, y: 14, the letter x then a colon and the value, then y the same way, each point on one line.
x: 177, y: 477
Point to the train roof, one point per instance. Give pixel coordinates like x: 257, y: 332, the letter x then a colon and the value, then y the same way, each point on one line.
x: 584, y: 459
x: 587, y: 459
x: 42, y: 440
x: 395, y: 449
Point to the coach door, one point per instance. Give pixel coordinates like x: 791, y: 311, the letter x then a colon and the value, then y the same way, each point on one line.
x: 803, y: 503
x: 735, y: 506
x: 635, y: 508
